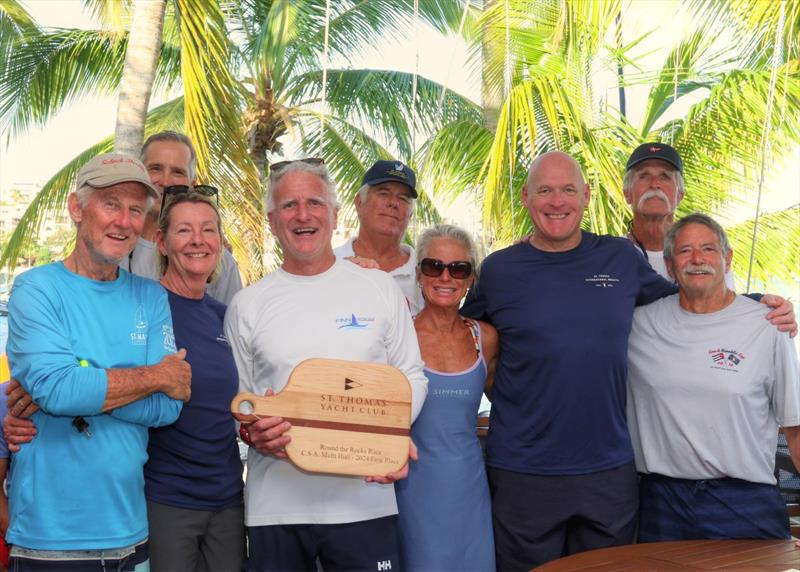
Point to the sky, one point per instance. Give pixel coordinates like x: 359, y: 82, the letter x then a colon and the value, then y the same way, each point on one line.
x: 35, y: 156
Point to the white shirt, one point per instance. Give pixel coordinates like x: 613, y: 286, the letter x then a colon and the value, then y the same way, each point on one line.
x: 284, y: 319
x: 707, y: 392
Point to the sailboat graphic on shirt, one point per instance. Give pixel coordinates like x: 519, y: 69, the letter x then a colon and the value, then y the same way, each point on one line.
x: 353, y: 323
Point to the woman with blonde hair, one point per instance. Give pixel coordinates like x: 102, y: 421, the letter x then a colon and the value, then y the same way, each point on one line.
x: 444, y: 505
x: 193, y: 480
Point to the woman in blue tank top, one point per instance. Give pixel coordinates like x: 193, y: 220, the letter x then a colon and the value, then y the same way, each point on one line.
x: 444, y: 505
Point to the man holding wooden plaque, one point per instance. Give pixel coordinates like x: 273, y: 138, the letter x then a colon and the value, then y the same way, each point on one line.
x: 316, y: 307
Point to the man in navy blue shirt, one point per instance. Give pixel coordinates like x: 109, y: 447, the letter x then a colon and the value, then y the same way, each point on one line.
x: 560, y: 460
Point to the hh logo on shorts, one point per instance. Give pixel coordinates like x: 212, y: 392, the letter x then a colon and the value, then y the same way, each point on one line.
x: 385, y: 565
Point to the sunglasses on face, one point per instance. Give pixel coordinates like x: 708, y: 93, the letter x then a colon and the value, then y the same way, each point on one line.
x: 280, y: 165
x: 458, y: 268
x: 205, y: 190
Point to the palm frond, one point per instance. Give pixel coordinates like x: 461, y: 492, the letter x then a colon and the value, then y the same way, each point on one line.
x: 720, y: 139
x: 112, y: 14
x: 47, y: 71
x: 382, y: 100
x: 777, y: 257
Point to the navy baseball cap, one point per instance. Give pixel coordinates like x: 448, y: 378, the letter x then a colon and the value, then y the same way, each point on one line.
x: 386, y: 171
x: 655, y: 151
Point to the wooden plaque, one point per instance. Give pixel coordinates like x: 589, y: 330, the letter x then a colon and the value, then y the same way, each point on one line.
x: 349, y: 418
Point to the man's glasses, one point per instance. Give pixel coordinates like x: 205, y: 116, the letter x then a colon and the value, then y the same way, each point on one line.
x: 280, y: 165
x: 458, y: 269
x: 205, y: 190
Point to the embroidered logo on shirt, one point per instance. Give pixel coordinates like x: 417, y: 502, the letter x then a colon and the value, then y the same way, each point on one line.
x: 139, y: 333
x: 602, y: 280
x: 353, y: 322
x: 725, y: 359
x: 223, y: 340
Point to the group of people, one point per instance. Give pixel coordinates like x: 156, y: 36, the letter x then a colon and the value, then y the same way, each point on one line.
x: 126, y: 450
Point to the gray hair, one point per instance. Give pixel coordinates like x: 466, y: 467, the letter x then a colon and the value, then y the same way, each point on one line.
x: 363, y: 191
x: 320, y: 171
x: 695, y: 218
x: 627, y: 181
x: 83, y: 194
x: 452, y: 232
x: 165, y: 219
x: 173, y: 137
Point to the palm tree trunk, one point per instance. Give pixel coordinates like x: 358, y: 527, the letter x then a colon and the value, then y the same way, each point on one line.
x: 620, y: 72
x: 491, y: 96
x: 144, y: 47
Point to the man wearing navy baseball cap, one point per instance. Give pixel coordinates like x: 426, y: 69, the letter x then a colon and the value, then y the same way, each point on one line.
x: 653, y: 186
x: 384, y: 204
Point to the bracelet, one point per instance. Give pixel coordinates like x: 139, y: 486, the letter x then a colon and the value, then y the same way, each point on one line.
x: 244, y: 434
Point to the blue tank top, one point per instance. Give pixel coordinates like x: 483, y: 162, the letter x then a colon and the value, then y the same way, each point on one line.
x: 444, y: 505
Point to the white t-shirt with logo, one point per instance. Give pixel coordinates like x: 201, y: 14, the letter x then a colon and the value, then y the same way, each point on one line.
x: 347, y: 312
x: 707, y: 392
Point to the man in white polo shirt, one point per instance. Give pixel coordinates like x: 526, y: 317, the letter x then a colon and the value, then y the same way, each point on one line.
x: 384, y: 204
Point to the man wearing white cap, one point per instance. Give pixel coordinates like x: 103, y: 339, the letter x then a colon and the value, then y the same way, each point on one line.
x: 93, y: 347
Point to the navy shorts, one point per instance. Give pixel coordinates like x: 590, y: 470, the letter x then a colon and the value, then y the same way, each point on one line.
x: 368, y: 545
x: 71, y: 561
x: 713, y: 509
x: 540, y: 518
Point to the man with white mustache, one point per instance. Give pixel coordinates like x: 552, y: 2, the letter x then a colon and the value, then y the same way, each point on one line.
x: 709, y: 383
x: 559, y: 458
x: 653, y: 186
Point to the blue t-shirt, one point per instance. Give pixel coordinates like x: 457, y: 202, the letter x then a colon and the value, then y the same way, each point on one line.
x: 558, y: 401
x: 194, y: 463
x: 71, y: 491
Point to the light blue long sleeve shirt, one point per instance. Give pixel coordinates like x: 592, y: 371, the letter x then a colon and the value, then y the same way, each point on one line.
x: 72, y: 491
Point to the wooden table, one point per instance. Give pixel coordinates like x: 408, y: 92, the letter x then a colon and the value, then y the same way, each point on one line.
x: 736, y: 555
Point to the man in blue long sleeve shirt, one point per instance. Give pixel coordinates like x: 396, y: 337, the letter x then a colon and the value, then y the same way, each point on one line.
x: 93, y: 347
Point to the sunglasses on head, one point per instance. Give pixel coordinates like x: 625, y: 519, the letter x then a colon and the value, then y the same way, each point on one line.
x: 280, y: 165
x: 458, y: 268
x: 205, y: 190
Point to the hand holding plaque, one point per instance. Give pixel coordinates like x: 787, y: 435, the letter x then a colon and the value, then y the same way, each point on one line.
x: 349, y: 418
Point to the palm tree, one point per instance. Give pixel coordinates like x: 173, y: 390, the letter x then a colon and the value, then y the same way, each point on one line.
x: 556, y: 49
x: 136, y: 85
x: 249, y: 76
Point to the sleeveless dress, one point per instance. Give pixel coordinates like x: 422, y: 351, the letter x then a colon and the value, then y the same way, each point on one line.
x: 444, y: 506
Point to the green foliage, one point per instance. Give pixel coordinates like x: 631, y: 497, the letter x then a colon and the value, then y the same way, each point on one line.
x: 249, y: 73
x: 742, y: 101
